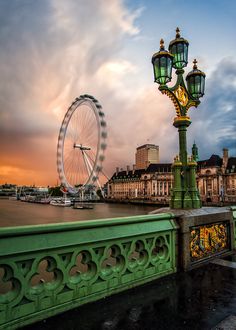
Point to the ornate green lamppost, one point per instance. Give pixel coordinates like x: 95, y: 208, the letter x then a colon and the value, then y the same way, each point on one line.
x: 184, y: 193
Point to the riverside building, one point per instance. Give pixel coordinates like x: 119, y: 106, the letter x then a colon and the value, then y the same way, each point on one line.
x: 145, y: 155
x: 216, y: 179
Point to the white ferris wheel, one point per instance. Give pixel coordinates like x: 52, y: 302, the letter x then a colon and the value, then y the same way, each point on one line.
x: 81, y: 144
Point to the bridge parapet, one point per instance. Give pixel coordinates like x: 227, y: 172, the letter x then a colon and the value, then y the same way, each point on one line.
x: 233, y: 208
x: 48, y: 269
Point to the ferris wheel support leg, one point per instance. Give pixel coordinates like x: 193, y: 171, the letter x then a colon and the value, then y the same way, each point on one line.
x: 88, y: 165
x: 100, y: 188
x: 87, y: 161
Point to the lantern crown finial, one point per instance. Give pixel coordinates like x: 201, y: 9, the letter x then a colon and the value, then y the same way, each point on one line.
x: 162, y: 47
x: 195, y: 64
x: 177, y: 33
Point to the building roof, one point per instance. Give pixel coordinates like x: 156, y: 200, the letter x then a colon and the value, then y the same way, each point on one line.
x: 214, y: 160
x: 164, y: 167
x: 152, y: 168
x: 231, y: 165
x: 128, y: 175
x: 148, y: 145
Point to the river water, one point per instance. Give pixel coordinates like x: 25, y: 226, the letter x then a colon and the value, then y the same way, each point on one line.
x: 17, y: 213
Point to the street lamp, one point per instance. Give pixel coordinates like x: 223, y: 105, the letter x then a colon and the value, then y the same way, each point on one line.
x: 162, y: 64
x: 196, y: 82
x: 184, y: 193
x: 179, y: 48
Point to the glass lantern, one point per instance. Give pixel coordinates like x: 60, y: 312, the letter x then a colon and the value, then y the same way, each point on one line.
x: 162, y: 65
x: 196, y: 82
x: 179, y: 48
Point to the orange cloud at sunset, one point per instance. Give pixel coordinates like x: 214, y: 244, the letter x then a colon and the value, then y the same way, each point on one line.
x: 45, y: 70
x: 18, y: 175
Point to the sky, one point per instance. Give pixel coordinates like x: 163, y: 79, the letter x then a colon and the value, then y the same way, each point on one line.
x: 52, y: 51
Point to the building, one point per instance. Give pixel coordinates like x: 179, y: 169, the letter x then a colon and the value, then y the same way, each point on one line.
x: 145, y: 155
x: 216, y: 180
x: 153, y: 183
x: 7, y: 189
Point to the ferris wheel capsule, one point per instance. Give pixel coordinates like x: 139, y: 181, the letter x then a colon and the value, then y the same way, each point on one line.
x: 81, y: 144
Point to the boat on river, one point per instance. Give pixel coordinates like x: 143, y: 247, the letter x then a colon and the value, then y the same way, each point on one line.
x: 39, y: 199
x: 81, y: 206
x: 42, y: 200
x: 61, y: 202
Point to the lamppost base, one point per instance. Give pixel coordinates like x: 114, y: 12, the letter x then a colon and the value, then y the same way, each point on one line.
x: 185, y: 200
x: 176, y: 201
x: 197, y: 204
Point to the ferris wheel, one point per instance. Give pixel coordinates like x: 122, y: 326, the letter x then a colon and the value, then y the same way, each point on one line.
x: 81, y: 144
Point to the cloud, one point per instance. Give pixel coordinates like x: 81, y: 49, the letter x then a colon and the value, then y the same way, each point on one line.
x: 148, y: 118
x: 54, y: 50
x: 214, y: 122
x: 51, y: 52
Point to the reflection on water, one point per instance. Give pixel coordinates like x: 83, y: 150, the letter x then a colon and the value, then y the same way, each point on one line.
x: 17, y: 213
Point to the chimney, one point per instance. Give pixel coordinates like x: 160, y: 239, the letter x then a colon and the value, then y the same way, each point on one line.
x: 117, y: 171
x: 226, y: 153
x: 225, y: 157
x: 134, y: 168
x: 128, y: 169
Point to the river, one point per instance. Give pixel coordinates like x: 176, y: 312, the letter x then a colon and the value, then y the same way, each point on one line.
x: 17, y: 213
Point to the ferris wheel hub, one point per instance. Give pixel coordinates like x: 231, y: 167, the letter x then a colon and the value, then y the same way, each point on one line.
x: 81, y: 147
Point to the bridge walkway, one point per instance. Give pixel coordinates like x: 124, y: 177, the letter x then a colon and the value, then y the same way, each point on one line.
x: 201, y: 299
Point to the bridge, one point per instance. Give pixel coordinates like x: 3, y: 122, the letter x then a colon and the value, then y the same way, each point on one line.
x: 49, y: 269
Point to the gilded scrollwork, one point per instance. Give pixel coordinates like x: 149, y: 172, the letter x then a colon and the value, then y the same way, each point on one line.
x: 174, y: 100
x: 181, y: 95
x: 207, y: 240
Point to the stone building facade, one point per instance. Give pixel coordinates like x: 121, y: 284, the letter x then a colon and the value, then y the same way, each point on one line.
x: 153, y: 183
x: 216, y: 180
x: 145, y: 155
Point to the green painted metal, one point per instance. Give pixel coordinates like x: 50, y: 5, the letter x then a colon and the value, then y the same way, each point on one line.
x: 176, y: 193
x: 190, y: 197
x: 184, y: 195
x: 48, y: 269
x: 233, y: 208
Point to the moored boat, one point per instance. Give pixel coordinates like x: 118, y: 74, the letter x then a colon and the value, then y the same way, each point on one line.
x: 61, y: 202
x: 81, y: 206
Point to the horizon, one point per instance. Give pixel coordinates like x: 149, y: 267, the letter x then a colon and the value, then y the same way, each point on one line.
x: 120, y: 169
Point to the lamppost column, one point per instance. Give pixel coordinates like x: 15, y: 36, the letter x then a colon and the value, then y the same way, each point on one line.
x: 195, y: 196
x: 183, y: 144
x: 176, y: 201
x: 182, y: 124
x: 183, y: 97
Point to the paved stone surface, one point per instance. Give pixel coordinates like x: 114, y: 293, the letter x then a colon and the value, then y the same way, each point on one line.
x: 192, y: 212
x: 201, y: 299
x: 227, y: 324
x: 225, y: 263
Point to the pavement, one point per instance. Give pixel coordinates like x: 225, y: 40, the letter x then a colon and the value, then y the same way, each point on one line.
x: 203, y: 298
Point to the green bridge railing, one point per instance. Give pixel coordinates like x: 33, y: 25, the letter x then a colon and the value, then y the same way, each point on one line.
x: 233, y: 209
x: 48, y: 269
